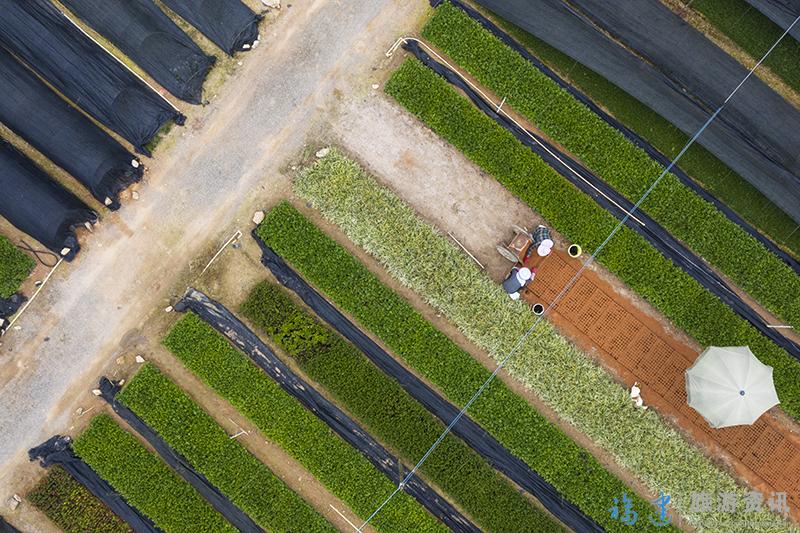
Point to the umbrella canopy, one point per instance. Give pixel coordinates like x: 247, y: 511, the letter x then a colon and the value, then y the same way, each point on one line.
x: 730, y: 387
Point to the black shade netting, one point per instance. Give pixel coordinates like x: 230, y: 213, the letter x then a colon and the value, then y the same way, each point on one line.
x: 149, y: 37
x: 5, y: 527
x: 569, y: 31
x: 63, y: 134
x: 47, y: 41
x: 229, y: 24
x: 781, y: 12
x: 35, y: 204
x: 760, y: 116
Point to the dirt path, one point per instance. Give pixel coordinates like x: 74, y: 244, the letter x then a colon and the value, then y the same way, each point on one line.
x: 220, y: 165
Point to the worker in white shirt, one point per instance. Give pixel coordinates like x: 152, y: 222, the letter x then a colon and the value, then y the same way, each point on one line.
x: 636, y: 396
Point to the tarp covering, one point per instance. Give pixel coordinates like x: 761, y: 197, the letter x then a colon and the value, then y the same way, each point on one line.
x: 57, y: 450
x: 466, y: 428
x: 685, y: 55
x: 63, y: 134
x: 781, y: 12
x: 47, y: 41
x: 615, y: 203
x: 563, y: 28
x: 630, y: 134
x: 222, y: 320
x: 229, y: 24
x: 149, y: 37
x: 5, y: 527
x: 178, y: 463
x: 37, y: 205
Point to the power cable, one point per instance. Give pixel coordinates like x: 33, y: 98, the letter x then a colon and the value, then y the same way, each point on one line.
x: 522, y: 339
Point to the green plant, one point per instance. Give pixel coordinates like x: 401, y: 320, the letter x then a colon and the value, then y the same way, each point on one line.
x: 145, y: 481
x: 15, y: 267
x: 419, y: 257
x: 72, y: 507
x: 226, y: 463
x: 392, y: 415
x: 629, y: 256
x: 618, y: 161
x: 342, y: 469
x: 755, y: 34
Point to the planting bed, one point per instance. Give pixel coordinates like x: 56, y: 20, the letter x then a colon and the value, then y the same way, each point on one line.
x: 633, y: 345
x: 425, y: 261
x: 15, y: 267
x: 391, y: 414
x: 227, y: 464
x: 72, y: 507
x: 580, y: 219
x: 627, y: 168
x: 701, y: 164
x: 285, y: 421
x: 144, y: 481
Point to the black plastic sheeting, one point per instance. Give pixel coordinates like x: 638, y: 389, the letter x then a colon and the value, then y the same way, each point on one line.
x: 149, y: 37
x: 567, y: 30
x: 466, y: 429
x: 63, y: 134
x: 593, y: 186
x: 218, y: 317
x: 5, y: 527
x: 661, y: 37
x: 177, y: 462
x: 229, y: 24
x: 631, y: 136
x: 781, y: 12
x: 48, y: 42
x: 39, y: 206
x: 57, y: 450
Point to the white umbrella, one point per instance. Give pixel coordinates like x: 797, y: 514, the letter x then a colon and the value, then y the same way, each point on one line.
x: 730, y: 387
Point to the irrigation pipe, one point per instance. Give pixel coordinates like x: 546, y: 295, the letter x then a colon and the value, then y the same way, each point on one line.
x: 498, y: 106
x: 29, y: 302
x: 235, y: 237
x: 521, y: 341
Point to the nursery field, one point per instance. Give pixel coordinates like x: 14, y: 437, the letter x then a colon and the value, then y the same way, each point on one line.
x: 419, y: 257
x: 15, y: 266
x: 627, y: 168
x: 226, y: 463
x: 670, y: 290
x: 145, y: 481
x: 391, y: 414
x: 282, y: 419
x: 72, y: 507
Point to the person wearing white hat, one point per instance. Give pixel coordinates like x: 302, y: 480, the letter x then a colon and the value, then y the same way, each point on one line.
x: 542, y: 241
x: 516, y: 280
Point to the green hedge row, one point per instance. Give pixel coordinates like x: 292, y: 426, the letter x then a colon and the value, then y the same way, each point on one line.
x: 145, y: 481
x: 342, y: 469
x: 72, y: 507
x: 755, y: 34
x: 226, y: 463
x: 15, y: 267
x: 527, y: 434
x: 629, y: 256
x: 392, y: 415
x: 607, y: 152
x: 427, y: 262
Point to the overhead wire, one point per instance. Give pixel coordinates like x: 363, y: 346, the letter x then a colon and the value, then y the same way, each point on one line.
x: 524, y: 337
